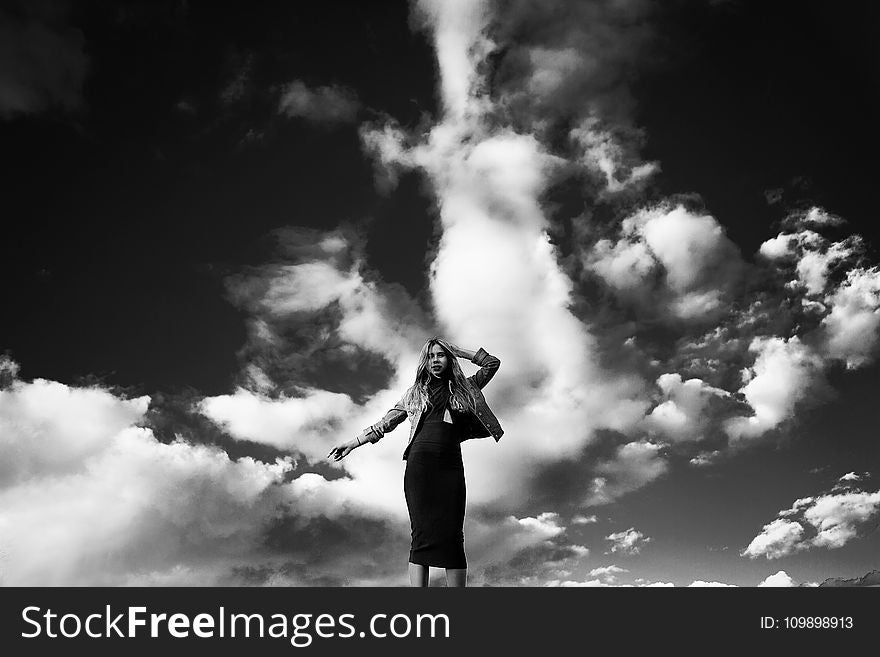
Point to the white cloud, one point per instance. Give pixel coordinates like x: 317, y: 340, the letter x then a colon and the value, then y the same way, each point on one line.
x: 702, y: 584
x: 608, y: 573
x: 569, y: 583
x: 87, y: 497
x: 780, y: 377
x: 601, y: 153
x: 628, y: 542
x: 777, y: 539
x: 111, y: 501
x: 705, y: 458
x: 326, y: 104
x: 853, y: 325
x: 583, y: 520
x: 607, y: 570
x: 689, y: 246
x: 682, y: 416
x: 836, y: 517
x: 458, y: 28
x: 624, y: 264
x: 814, y: 266
x: 50, y: 428
x: 781, y: 246
x: 302, y: 423
x: 780, y: 579
x: 814, y: 217
x: 386, y: 145
x: 700, y: 265
x: 849, y: 310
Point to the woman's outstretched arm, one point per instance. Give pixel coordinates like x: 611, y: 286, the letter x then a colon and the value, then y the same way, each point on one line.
x: 372, y: 434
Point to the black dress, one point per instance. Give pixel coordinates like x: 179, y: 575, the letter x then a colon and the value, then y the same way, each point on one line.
x: 434, y: 485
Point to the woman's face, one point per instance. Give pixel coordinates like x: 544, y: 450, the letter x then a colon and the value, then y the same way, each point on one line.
x: 438, y: 363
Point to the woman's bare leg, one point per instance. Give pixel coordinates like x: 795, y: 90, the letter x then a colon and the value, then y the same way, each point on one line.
x: 418, y: 574
x: 456, y: 577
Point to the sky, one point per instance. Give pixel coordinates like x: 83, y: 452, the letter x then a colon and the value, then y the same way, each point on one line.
x: 228, y: 230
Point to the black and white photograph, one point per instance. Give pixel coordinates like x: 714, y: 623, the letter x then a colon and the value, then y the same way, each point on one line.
x: 439, y: 293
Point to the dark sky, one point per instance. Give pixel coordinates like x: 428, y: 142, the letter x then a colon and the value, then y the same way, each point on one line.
x: 126, y: 212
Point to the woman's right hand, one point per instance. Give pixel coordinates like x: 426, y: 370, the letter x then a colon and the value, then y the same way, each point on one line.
x: 341, y: 451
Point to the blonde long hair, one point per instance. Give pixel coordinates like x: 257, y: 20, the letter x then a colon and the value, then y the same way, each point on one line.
x: 462, y: 392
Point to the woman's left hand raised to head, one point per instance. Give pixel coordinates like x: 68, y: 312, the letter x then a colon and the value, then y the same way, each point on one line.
x: 461, y: 353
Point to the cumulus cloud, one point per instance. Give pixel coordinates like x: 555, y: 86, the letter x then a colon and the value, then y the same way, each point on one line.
x: 42, y: 60
x: 682, y: 415
x: 49, y: 428
x: 833, y: 283
x: 777, y: 539
x: 851, y: 328
x: 830, y: 520
x: 781, y: 375
x: 89, y: 496
x: 629, y: 542
x: 780, y: 579
x: 326, y: 104
x: 838, y: 517
x: 667, y: 251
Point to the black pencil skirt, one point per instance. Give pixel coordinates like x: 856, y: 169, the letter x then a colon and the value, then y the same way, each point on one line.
x: 435, y: 496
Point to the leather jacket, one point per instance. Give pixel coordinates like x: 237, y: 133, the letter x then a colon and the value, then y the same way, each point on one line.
x: 480, y: 423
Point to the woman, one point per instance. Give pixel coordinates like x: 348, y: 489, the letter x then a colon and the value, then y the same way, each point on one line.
x: 444, y: 409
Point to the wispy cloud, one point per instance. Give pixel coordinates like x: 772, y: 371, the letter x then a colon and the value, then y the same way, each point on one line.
x: 237, y: 86
x: 325, y: 104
